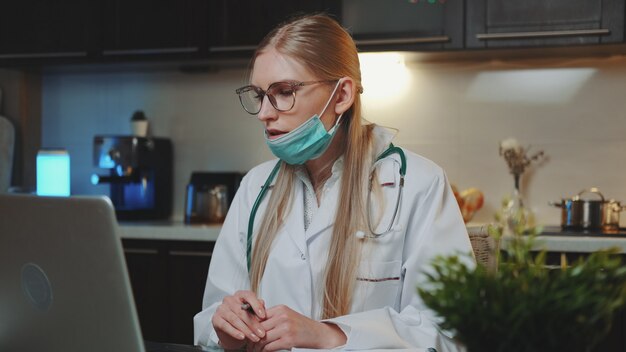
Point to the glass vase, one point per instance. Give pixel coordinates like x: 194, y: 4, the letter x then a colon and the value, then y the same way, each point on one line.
x: 515, y: 215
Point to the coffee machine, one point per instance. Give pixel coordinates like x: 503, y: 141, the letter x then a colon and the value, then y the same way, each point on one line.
x: 140, y: 175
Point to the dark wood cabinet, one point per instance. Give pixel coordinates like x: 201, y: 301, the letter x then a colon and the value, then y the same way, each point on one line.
x: 42, y: 32
x: 503, y: 23
x: 153, y: 27
x: 41, y: 29
x: 239, y: 25
x: 616, y: 339
x: 168, y: 279
x: 146, y: 268
x: 404, y: 25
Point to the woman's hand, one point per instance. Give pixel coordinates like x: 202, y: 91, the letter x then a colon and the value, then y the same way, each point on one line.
x: 235, y: 325
x: 285, y: 329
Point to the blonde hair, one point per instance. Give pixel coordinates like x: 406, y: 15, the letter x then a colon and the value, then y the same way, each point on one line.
x: 328, y: 51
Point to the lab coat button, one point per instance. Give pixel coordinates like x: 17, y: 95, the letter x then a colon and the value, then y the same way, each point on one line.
x: 302, y: 256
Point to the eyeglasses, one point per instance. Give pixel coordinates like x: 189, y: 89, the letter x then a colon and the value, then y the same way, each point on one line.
x: 282, y: 95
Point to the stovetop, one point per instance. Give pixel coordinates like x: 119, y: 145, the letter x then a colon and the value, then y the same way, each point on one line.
x: 559, y: 231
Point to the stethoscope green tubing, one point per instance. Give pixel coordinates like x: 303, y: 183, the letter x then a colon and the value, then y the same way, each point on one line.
x: 391, y: 150
x: 266, y: 186
x: 255, y: 207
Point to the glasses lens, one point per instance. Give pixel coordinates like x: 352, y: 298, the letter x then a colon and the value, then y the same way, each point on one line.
x: 282, y: 96
x: 251, y: 99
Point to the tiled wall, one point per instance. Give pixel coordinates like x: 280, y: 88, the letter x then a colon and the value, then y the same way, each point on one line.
x: 453, y: 113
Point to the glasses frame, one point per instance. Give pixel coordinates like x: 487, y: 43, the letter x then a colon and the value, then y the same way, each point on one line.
x: 271, y: 98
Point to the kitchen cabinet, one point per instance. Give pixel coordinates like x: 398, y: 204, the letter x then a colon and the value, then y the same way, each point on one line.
x: 153, y: 27
x: 45, y: 32
x: 237, y: 26
x: 404, y: 25
x: 168, y: 279
x: 41, y: 29
x: 616, y: 339
x: 502, y: 23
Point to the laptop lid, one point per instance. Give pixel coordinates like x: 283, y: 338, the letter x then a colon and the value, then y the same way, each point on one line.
x: 63, y: 279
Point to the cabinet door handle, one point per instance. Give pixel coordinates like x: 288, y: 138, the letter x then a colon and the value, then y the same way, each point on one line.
x: 140, y: 251
x: 221, y: 49
x: 542, y: 34
x: 191, y: 49
x: 396, y: 41
x: 44, y: 55
x: 191, y: 253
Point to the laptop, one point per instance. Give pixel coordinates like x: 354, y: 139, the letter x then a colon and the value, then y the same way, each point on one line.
x: 64, y: 286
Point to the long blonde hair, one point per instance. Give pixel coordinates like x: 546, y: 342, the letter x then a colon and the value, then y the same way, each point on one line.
x: 328, y: 51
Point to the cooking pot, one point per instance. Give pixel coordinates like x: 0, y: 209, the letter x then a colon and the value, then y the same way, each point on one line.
x: 590, y: 214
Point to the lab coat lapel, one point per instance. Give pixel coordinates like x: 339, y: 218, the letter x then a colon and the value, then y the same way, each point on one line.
x: 294, y: 224
x: 325, y: 215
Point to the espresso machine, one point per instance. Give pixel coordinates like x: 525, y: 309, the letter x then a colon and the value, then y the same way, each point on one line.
x: 139, y: 177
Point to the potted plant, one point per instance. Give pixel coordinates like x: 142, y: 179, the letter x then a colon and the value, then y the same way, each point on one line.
x: 524, y: 305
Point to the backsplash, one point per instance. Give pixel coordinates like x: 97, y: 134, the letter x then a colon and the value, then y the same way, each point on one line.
x: 454, y: 113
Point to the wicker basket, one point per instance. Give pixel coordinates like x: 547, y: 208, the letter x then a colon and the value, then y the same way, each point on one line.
x: 483, y: 246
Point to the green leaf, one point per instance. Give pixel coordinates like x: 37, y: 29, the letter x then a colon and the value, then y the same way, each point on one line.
x: 524, y: 305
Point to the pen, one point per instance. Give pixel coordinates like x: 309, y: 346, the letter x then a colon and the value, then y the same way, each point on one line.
x: 247, y: 307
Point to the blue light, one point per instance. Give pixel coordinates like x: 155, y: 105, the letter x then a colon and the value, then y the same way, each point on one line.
x: 53, y: 173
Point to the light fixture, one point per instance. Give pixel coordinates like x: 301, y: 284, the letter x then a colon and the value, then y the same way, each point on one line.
x: 385, y: 77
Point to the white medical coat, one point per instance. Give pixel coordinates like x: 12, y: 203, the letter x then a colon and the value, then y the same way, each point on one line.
x: 387, y: 312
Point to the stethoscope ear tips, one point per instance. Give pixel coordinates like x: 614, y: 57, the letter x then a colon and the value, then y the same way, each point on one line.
x: 360, y: 234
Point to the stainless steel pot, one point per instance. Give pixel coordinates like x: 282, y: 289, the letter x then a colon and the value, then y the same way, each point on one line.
x: 586, y: 214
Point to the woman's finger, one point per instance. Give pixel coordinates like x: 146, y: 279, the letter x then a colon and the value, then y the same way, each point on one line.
x: 219, y: 323
x: 257, y: 305
x: 272, y: 335
x: 242, y: 324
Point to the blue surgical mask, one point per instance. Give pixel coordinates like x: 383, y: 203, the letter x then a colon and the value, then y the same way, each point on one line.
x: 308, y: 141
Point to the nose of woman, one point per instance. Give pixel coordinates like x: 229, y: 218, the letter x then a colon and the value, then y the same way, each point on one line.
x: 267, y: 112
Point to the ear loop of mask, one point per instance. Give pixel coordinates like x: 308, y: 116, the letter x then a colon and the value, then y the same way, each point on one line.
x: 332, y: 95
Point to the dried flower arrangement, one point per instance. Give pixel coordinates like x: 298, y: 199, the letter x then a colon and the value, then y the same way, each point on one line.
x: 517, y: 157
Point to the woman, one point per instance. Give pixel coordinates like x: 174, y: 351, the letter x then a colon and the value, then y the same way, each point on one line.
x: 309, y: 256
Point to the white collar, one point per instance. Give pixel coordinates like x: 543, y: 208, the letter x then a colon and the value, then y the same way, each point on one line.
x: 382, y: 139
x: 336, y: 171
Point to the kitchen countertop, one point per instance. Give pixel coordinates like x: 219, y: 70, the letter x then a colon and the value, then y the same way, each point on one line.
x: 169, y: 230
x: 179, y: 231
x: 579, y: 244
x: 570, y: 241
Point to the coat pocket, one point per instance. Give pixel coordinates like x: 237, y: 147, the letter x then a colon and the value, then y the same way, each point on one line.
x: 377, y: 285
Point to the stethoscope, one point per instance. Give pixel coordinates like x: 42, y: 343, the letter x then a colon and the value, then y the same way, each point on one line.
x: 360, y: 234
